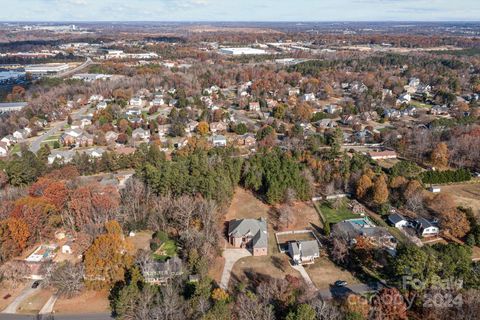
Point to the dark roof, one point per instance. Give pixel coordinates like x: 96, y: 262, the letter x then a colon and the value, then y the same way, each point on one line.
x: 424, y: 223
x: 395, y: 218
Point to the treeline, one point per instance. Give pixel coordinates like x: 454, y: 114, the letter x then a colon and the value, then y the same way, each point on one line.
x: 213, y: 174
x: 446, y: 176
x: 277, y: 176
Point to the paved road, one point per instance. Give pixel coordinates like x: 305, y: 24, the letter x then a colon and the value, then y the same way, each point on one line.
x: 13, y: 306
x: 87, y: 316
x: 68, y: 73
x: 37, y: 142
x: 231, y: 256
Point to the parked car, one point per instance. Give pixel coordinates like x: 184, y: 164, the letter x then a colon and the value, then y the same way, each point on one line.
x: 340, y: 283
x: 8, y: 295
x: 35, y: 284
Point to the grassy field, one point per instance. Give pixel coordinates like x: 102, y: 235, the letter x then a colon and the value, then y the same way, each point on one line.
x: 324, y: 273
x: 466, y: 195
x: 333, y: 215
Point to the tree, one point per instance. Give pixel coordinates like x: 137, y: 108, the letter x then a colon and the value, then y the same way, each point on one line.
x: 285, y: 216
x: 219, y: 294
x: 302, y: 312
x: 380, y: 191
x: 15, y: 271
x: 389, y: 305
x: 439, y: 156
x: 203, y: 128
x: 67, y: 279
x: 107, y: 258
x: 455, y: 222
x: 363, y: 186
x: 241, y: 128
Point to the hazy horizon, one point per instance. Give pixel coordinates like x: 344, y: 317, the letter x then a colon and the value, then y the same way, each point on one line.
x: 244, y: 11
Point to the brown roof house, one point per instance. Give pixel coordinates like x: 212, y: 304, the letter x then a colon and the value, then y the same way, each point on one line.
x: 249, y: 233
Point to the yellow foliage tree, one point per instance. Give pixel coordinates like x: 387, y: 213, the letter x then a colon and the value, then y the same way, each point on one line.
x: 439, y: 156
x: 363, y: 185
x: 380, y: 190
x: 203, y: 128
x: 108, y: 257
x: 219, y: 294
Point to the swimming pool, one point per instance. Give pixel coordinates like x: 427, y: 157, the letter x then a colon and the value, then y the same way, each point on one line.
x: 361, y: 222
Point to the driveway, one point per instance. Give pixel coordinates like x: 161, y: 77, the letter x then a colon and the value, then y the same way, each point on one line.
x: 26, y: 292
x: 304, y: 275
x: 231, y: 256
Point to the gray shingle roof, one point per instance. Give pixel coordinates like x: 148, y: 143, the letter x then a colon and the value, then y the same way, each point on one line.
x: 255, y: 228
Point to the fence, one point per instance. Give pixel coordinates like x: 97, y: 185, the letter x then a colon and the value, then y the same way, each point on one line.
x: 282, y: 233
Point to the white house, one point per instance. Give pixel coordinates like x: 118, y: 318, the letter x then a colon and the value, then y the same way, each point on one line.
x: 309, y: 97
x: 219, y: 141
x: 425, y: 228
x: 397, y: 220
x: 101, y: 105
x: 254, y: 106
x: 140, y: 134
x: 435, y: 189
x: 304, y: 252
x: 3, y: 149
x: 136, y: 102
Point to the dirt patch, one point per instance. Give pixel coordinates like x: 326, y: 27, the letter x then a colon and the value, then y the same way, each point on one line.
x: 467, y: 195
x: 248, y: 269
x: 6, y: 288
x: 34, y: 303
x: 141, y: 240
x: 324, y: 273
x: 87, y: 302
x: 216, y: 268
x: 305, y: 217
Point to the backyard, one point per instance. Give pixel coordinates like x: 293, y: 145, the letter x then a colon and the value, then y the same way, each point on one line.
x: 324, y: 273
x: 334, y: 215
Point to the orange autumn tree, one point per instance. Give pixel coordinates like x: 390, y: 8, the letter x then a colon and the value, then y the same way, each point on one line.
x: 38, y: 213
x: 14, y: 236
x: 108, y: 257
x: 18, y: 231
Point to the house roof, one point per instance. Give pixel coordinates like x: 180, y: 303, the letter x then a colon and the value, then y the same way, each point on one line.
x: 395, y: 218
x: 308, y: 248
x: 255, y: 228
x: 424, y: 223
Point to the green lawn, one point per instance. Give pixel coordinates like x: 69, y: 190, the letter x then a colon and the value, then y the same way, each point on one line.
x: 333, y: 215
x: 166, y: 250
x: 419, y: 104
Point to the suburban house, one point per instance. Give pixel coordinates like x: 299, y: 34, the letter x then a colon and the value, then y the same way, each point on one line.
x: 351, y: 229
x: 249, y: 233
x: 247, y: 139
x: 63, y: 156
x: 163, y: 129
x: 326, y: 124
x: 386, y: 154
x: 101, y: 105
x: 218, y: 127
x: 254, y: 106
x: 140, y: 134
x: 425, y: 228
x: 333, y: 108
x: 9, y: 140
x: 304, y: 252
x: 219, y: 141
x: 22, y: 133
x: 309, y: 97
x: 191, y: 126
x: 135, y: 101
x: 159, y: 272
x: 133, y: 112
x: 77, y: 137
x: 111, y: 136
x: 3, y: 149
x: 398, y: 221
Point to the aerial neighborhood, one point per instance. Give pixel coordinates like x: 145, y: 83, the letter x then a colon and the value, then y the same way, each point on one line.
x: 221, y: 171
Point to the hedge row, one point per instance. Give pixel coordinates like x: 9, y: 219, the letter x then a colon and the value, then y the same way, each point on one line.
x: 447, y: 176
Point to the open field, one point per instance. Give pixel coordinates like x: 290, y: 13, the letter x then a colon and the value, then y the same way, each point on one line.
x: 467, y: 195
x: 387, y: 163
x: 87, y: 302
x: 324, y: 273
x: 34, y: 303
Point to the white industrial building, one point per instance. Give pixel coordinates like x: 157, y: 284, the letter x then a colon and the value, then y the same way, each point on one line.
x: 242, y: 51
x: 48, y: 68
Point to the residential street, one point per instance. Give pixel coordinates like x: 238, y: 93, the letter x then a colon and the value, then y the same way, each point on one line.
x: 37, y: 142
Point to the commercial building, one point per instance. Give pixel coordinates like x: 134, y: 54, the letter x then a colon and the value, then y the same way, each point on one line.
x: 242, y: 51
x: 48, y: 68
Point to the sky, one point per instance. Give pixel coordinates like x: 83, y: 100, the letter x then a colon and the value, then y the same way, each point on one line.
x: 239, y: 10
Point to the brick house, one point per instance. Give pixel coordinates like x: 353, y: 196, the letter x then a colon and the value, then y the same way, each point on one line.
x: 249, y: 233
